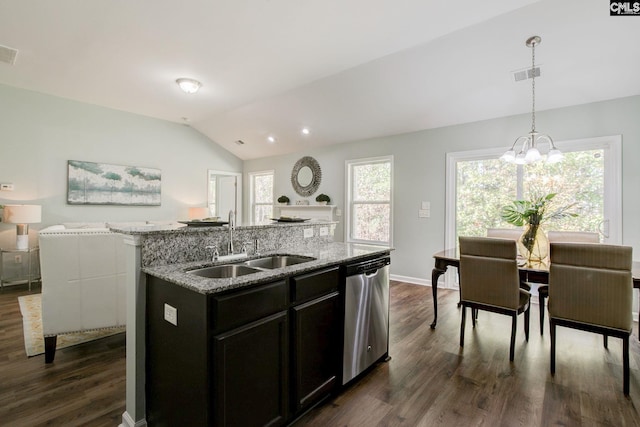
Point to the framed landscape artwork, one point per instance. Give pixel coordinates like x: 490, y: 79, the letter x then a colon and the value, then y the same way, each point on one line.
x: 92, y: 183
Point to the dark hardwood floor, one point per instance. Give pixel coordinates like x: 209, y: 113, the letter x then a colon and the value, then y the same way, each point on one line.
x: 85, y: 386
x: 429, y: 380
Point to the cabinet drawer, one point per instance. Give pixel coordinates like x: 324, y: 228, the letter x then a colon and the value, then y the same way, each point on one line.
x: 240, y: 307
x: 312, y: 285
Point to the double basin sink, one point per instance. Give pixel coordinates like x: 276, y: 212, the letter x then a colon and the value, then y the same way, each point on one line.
x: 226, y: 271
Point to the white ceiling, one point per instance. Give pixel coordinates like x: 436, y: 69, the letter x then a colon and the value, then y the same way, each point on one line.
x: 347, y: 69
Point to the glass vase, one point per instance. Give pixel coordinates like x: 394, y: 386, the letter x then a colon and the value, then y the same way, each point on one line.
x: 533, y: 246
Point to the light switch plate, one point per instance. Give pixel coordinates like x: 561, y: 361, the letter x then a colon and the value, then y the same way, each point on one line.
x: 308, y: 232
x: 338, y: 212
x: 425, y: 205
x: 171, y: 314
x: 324, y: 231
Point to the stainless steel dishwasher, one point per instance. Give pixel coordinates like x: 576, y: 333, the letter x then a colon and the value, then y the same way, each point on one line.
x: 366, y: 317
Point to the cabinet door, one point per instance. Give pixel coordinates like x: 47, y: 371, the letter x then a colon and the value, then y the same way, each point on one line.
x: 250, y: 374
x: 317, y: 347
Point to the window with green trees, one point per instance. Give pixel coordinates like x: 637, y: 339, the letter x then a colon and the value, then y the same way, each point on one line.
x: 485, y: 186
x: 369, y: 207
x: 587, y: 177
x: 261, y: 196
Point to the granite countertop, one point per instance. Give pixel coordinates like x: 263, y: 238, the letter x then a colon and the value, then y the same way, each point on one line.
x: 327, y: 255
x: 172, y: 229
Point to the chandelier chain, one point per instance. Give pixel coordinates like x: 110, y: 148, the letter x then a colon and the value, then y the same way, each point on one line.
x: 533, y: 87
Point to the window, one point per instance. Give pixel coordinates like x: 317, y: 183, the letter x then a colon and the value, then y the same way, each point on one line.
x: 261, y: 184
x: 479, y: 184
x: 369, y: 200
x: 213, y: 187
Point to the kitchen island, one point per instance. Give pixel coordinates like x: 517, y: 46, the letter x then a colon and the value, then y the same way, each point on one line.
x: 164, y: 255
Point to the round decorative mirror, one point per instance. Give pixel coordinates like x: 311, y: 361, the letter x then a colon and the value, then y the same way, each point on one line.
x: 306, y: 176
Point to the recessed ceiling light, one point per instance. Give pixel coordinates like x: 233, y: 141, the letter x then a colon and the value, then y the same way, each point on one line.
x: 271, y: 139
x: 189, y: 85
x: 306, y: 131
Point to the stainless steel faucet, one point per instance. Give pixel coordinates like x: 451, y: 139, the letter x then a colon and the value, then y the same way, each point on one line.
x: 231, y: 227
x: 215, y: 254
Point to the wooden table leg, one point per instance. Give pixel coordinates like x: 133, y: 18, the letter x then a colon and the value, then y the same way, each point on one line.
x: 435, y: 275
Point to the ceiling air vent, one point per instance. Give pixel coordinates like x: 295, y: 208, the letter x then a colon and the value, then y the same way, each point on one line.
x: 525, y: 74
x: 239, y: 142
x: 8, y: 55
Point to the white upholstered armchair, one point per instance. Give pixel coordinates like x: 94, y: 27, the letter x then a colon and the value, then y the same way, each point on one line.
x: 83, y: 282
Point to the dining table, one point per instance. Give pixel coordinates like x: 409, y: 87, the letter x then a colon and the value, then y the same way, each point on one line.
x: 538, y: 273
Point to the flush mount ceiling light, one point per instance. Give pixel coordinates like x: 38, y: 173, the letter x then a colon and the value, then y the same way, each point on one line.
x: 189, y: 85
x: 305, y: 131
x: 271, y: 139
x: 529, y: 152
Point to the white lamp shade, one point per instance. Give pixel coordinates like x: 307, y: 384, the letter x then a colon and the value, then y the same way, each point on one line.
x: 533, y: 155
x: 554, y: 156
x: 509, y: 156
x: 520, y: 159
x: 22, y: 214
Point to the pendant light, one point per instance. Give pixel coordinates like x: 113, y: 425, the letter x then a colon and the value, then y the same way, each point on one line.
x: 529, y: 152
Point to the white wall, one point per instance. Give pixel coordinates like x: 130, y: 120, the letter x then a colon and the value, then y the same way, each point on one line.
x: 419, y: 169
x: 40, y: 133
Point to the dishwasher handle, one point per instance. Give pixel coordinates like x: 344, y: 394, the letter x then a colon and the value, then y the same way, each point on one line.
x: 368, y: 268
x: 372, y: 272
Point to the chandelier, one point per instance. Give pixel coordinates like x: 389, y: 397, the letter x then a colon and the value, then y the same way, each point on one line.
x: 528, y: 152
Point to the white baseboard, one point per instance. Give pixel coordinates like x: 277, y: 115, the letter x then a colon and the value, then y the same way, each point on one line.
x: 408, y: 279
x: 127, y: 421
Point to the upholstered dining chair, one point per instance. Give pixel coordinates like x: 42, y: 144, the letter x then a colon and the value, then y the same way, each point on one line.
x: 562, y: 237
x: 505, y: 233
x: 489, y: 281
x: 590, y: 288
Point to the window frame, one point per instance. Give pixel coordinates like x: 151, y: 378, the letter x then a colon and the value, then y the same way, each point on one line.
x: 252, y: 198
x: 350, y: 203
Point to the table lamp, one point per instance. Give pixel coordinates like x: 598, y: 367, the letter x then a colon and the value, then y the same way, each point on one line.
x: 22, y: 216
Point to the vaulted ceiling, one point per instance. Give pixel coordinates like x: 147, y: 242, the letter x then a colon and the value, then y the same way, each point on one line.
x: 346, y: 69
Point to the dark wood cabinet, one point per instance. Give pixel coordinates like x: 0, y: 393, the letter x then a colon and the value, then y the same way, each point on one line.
x: 316, y: 335
x: 255, y: 356
x: 316, y: 353
x: 177, y: 381
x: 251, y: 374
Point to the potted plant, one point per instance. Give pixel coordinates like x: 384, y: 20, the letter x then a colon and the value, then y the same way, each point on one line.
x: 533, y: 245
x: 323, y: 199
x: 283, y: 200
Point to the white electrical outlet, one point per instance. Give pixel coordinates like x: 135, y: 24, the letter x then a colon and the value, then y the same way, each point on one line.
x: 308, y: 232
x: 324, y: 231
x: 171, y: 314
x: 424, y: 213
